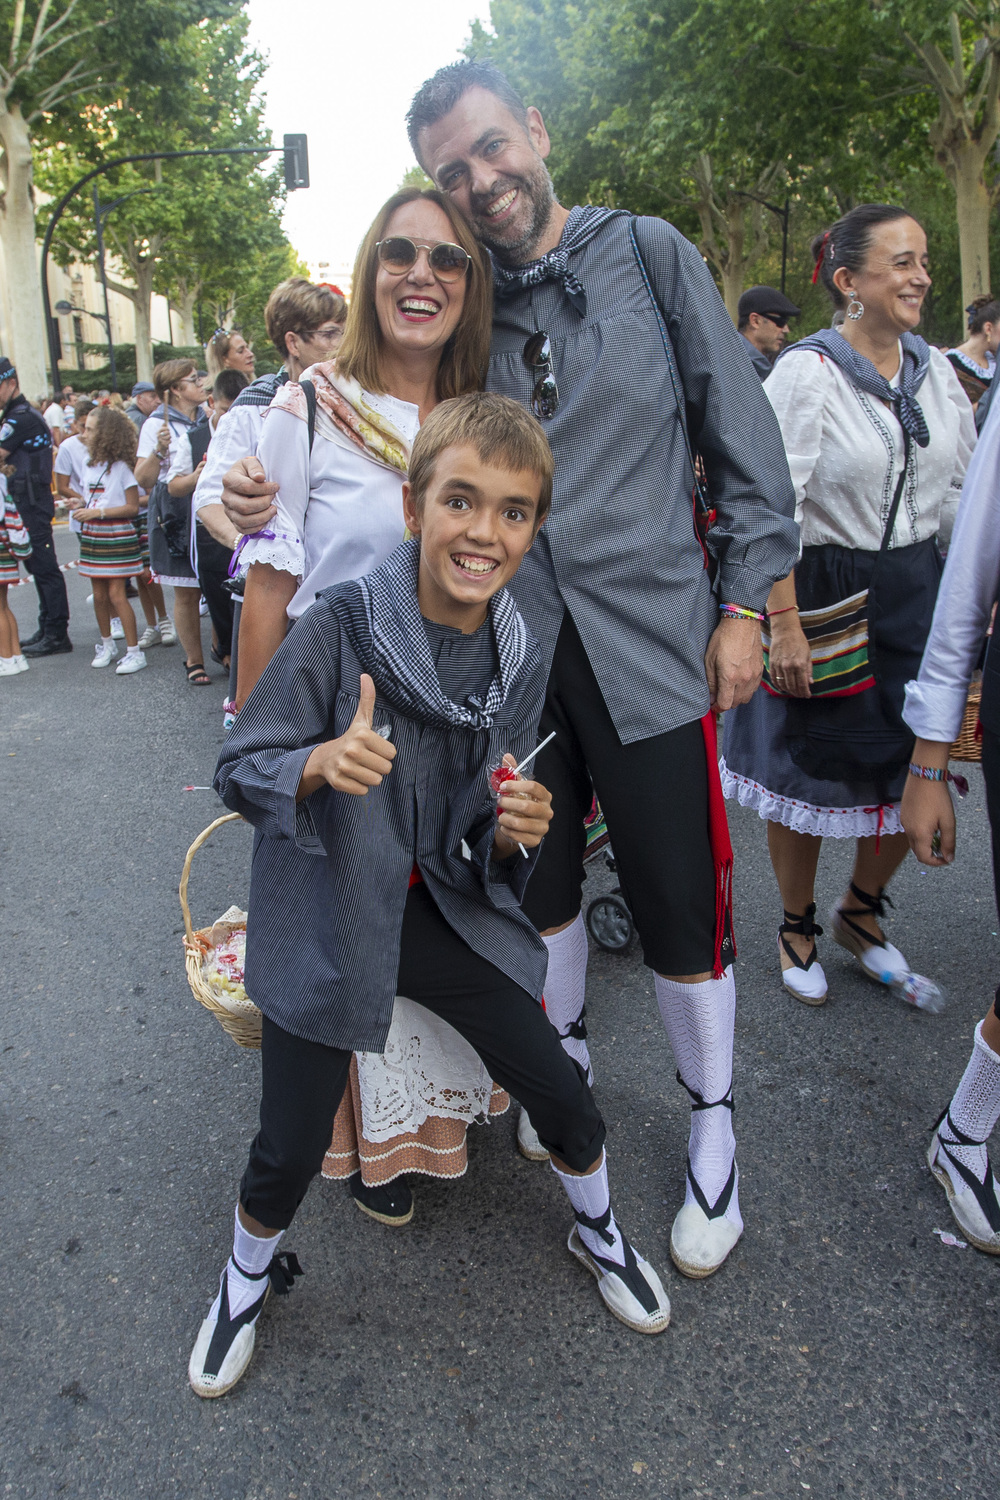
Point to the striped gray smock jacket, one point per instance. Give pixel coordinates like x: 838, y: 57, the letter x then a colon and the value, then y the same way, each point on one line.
x: 618, y: 549
x: 330, y: 874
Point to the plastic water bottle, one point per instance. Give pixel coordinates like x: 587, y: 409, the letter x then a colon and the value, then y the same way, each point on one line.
x: 918, y: 990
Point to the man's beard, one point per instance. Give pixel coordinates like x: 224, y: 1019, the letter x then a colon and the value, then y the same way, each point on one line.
x: 539, y: 193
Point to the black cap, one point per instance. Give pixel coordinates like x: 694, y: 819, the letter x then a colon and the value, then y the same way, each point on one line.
x: 765, y: 300
x: 7, y: 371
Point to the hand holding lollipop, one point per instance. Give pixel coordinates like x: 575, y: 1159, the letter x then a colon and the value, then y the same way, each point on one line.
x: 524, y: 807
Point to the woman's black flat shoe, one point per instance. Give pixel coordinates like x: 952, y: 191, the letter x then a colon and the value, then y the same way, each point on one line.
x: 390, y: 1204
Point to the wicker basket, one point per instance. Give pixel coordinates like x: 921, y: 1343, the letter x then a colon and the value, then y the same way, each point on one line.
x: 239, y: 1018
x: 967, y: 746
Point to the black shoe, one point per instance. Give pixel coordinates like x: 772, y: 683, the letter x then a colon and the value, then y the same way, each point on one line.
x: 49, y: 645
x: 32, y: 640
x: 391, y: 1204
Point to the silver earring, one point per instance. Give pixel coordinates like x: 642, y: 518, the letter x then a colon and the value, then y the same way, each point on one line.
x: 855, y: 302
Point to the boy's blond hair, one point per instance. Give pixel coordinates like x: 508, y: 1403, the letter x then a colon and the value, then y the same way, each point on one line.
x: 504, y: 435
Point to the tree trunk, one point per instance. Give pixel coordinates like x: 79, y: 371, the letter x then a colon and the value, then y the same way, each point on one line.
x: 972, y: 208
x: 735, y: 261
x: 187, y: 297
x: 23, y: 288
x: 143, y: 303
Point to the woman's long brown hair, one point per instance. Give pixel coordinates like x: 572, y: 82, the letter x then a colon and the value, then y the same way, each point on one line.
x: 463, y: 359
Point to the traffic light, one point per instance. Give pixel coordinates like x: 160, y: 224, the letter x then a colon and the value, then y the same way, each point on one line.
x: 296, y: 162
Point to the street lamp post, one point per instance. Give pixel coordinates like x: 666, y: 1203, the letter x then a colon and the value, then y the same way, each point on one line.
x: 296, y: 155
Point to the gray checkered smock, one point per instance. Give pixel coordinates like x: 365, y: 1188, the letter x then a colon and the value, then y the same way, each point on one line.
x: 619, y: 549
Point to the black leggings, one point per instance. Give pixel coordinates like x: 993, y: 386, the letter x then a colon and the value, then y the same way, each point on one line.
x: 213, y: 570
x: 302, y: 1082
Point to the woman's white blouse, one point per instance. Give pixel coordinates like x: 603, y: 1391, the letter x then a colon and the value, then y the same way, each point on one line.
x: 936, y: 701
x: 845, y: 453
x: 340, y: 515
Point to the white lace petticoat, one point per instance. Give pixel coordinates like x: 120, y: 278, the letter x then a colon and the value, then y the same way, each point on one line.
x: 426, y: 1069
x: 806, y: 817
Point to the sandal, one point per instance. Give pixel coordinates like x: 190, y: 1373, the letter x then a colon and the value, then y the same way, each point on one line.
x: 805, y: 979
x: 196, y: 674
x: 219, y: 659
x: 880, y: 960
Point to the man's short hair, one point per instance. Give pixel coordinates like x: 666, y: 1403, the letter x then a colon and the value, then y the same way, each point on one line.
x: 504, y: 435
x: 301, y: 306
x: 439, y: 95
x: 83, y: 408
x: 228, y: 384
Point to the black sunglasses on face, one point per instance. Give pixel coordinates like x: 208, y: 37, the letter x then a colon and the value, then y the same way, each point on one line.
x: 537, y: 355
x: 448, y: 262
x: 777, y: 320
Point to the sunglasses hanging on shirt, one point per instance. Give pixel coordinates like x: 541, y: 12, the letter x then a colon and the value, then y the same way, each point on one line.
x: 537, y: 355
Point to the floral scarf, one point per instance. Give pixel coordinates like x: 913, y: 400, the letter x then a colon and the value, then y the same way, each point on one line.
x: 343, y: 401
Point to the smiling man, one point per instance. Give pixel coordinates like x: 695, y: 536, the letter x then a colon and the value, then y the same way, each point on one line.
x: 603, y: 324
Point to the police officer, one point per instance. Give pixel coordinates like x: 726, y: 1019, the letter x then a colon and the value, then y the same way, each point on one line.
x: 25, y: 441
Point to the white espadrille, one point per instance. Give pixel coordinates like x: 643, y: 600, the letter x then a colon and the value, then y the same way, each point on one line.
x: 633, y: 1292
x: 702, y: 1237
x: 224, y: 1346
x: 975, y: 1207
x: 805, y: 979
x: 881, y: 961
x: 528, y: 1143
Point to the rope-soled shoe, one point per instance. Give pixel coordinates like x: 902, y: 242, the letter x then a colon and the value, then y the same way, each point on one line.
x: 390, y: 1202
x: 528, y: 1143
x: 805, y: 979
x: 975, y: 1207
x: 880, y: 961
x: 224, y: 1345
x: 632, y: 1292
x: 701, y: 1236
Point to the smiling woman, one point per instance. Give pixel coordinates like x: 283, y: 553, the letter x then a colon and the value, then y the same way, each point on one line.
x: 417, y: 333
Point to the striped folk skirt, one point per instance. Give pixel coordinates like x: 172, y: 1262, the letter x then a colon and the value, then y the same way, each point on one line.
x: 109, y: 549
x: 9, y: 572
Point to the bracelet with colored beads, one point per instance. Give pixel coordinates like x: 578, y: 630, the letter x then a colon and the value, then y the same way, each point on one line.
x: 737, y: 612
x: 931, y: 773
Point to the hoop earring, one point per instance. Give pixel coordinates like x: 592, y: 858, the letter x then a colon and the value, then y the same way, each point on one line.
x: 855, y: 302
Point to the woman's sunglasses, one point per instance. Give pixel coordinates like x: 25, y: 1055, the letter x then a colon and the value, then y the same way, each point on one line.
x: 448, y: 262
x: 537, y: 355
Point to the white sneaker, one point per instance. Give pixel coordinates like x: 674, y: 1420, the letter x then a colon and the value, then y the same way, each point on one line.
x: 150, y: 637
x: 117, y: 629
x: 9, y: 666
x: 132, y: 662
x: 104, y: 655
x: 203, y: 606
x: 633, y: 1292
x: 22, y: 663
x: 168, y: 635
x: 528, y: 1143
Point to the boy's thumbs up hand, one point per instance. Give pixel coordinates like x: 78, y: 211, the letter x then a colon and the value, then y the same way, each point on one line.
x: 357, y: 760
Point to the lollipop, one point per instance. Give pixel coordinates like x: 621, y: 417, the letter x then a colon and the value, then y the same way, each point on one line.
x: 501, y: 774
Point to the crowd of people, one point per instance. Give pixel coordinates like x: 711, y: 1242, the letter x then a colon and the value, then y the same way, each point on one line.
x: 457, y: 526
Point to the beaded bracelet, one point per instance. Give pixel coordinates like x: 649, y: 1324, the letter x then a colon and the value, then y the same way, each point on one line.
x: 928, y: 773
x: 737, y: 612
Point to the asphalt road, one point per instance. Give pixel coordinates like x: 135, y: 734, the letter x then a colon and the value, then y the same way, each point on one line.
x: 843, y: 1349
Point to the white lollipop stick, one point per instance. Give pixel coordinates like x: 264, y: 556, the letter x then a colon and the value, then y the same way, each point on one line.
x: 534, y: 752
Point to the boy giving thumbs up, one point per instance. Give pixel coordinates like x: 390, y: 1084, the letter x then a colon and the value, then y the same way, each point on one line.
x: 384, y: 864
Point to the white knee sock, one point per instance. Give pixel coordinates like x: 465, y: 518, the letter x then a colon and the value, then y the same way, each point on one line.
x: 565, y: 990
x: 590, y: 1196
x: 974, y: 1110
x: 251, y: 1256
x: 699, y: 1021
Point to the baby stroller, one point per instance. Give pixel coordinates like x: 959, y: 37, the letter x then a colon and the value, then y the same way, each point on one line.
x: 608, y: 918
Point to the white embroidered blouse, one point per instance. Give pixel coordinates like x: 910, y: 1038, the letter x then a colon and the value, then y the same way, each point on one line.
x: 340, y: 513
x: 845, y: 453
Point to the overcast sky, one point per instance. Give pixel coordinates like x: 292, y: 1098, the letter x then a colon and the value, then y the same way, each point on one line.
x: 344, y: 74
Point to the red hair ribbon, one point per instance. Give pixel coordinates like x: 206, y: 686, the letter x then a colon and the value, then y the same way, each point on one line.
x: 331, y: 288
x: 819, y: 258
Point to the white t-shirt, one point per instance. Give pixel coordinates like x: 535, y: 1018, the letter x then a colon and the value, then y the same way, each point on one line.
x: 148, y: 435
x: 105, y: 486
x: 340, y: 513
x: 71, y: 460
x: 235, y: 437
x: 54, y: 417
